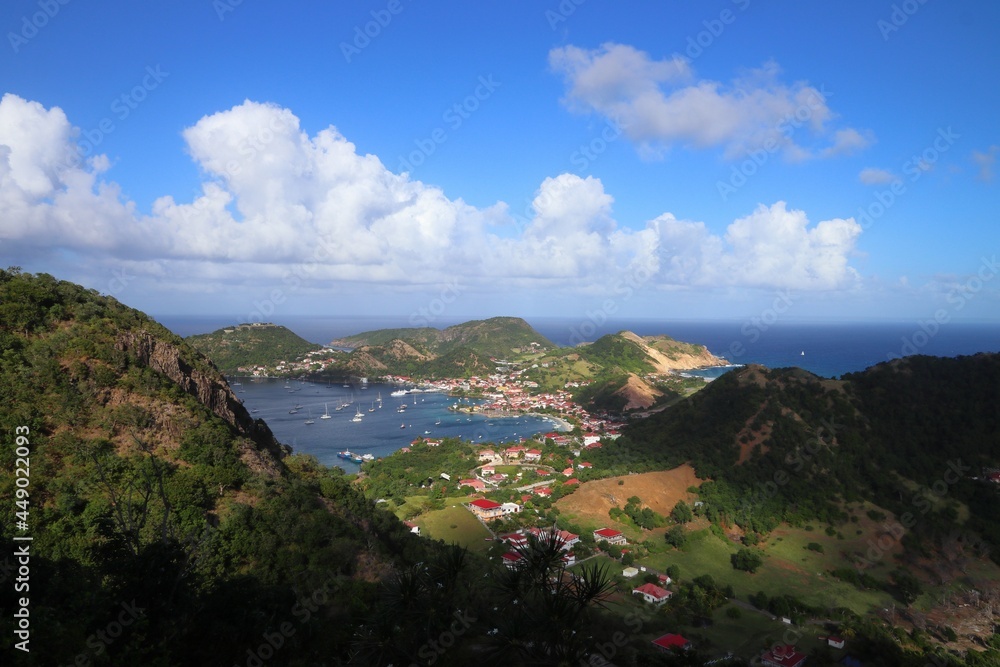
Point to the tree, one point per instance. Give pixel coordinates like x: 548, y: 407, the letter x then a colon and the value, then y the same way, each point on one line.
x: 747, y: 560
x: 681, y: 512
x: 676, y: 536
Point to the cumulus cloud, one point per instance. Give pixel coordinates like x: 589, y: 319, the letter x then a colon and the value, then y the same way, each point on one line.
x: 659, y: 103
x: 771, y: 247
x: 873, y: 176
x: 275, y: 199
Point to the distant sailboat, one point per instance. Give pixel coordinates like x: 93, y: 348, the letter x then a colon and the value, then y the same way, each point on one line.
x: 380, y: 399
x: 803, y: 353
x: 326, y: 415
x: 310, y: 420
x: 358, y: 416
x: 372, y: 408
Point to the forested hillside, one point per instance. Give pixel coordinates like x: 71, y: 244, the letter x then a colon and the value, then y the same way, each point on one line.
x: 251, y: 344
x: 169, y: 528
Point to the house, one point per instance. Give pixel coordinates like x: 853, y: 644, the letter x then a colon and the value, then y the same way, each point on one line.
x: 586, y: 465
x: 414, y: 528
x: 610, y: 535
x: 835, y: 642
x: 541, y: 472
x: 782, y: 655
x: 512, y: 559
x: 488, y: 456
x: 514, y: 452
x: 516, y: 540
x: 590, y: 439
x: 543, y: 491
x: 571, y: 481
x: 564, y: 538
x: 509, y: 508
x: 485, y: 509
x: 630, y: 572
x: 533, y: 455
x: 664, y: 579
x: 568, y: 471
x: 487, y: 471
x: 652, y: 593
x: 476, y: 484
x: 672, y: 642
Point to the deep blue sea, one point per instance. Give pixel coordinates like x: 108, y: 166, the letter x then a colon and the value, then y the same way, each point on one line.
x: 828, y: 350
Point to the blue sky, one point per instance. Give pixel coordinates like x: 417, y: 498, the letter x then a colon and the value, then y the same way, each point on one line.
x: 683, y: 160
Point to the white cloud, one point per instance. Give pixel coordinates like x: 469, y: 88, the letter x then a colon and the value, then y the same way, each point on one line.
x: 771, y: 247
x: 873, y: 176
x: 276, y: 201
x: 985, y: 161
x: 659, y: 104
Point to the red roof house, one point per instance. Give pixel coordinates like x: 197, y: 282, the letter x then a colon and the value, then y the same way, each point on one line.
x: 485, y: 509
x: 652, y: 593
x: 611, y: 535
x: 782, y: 655
x: 671, y: 642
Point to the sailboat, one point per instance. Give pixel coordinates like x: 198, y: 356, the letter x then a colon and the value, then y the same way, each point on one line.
x: 380, y: 399
x: 326, y: 415
x: 358, y: 416
x: 310, y: 420
x: 372, y: 408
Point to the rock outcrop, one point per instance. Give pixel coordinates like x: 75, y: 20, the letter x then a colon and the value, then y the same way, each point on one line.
x: 211, y: 389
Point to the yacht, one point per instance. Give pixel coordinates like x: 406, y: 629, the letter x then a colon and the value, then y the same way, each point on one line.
x: 326, y: 415
x: 358, y: 416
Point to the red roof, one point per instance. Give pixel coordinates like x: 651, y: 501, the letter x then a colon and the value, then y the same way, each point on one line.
x: 485, y: 504
x: 571, y: 480
x: 784, y: 655
x: 671, y: 641
x: 608, y: 532
x: 653, y: 590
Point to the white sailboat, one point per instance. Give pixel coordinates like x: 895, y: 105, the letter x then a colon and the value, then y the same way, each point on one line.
x: 326, y: 415
x: 310, y: 420
x: 372, y: 408
x: 358, y: 416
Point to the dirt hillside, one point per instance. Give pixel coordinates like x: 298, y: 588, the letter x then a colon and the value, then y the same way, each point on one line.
x: 659, y: 490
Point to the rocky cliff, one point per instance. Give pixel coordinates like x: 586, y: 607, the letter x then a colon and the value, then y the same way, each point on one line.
x: 210, y: 389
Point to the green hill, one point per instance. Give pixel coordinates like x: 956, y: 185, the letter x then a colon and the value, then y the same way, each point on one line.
x: 251, y: 345
x: 457, y: 351
x: 874, y: 436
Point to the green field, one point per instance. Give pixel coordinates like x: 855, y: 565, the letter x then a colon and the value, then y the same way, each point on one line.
x: 455, y: 525
x: 788, y: 568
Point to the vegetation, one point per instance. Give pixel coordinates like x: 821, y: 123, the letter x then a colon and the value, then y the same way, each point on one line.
x: 153, y: 490
x: 251, y: 345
